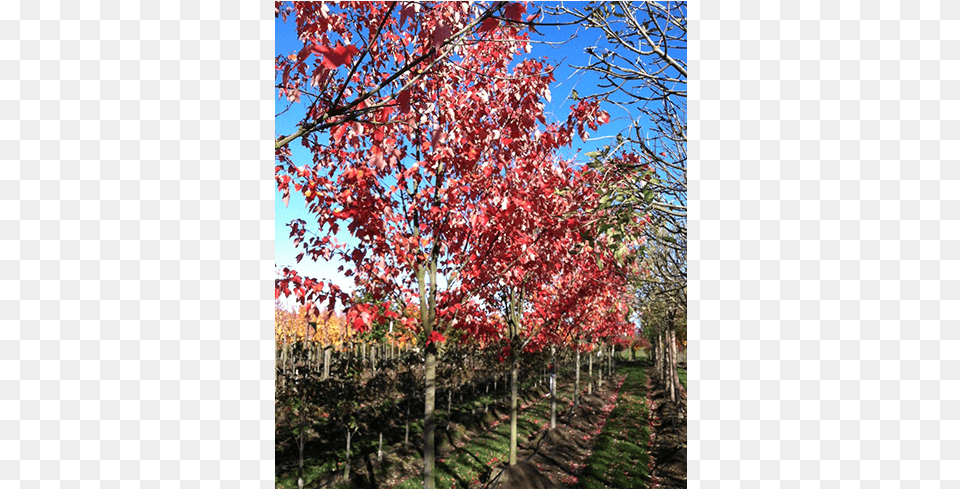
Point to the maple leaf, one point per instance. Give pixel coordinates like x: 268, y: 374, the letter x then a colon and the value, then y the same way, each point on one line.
x: 440, y: 34
x: 488, y: 25
x: 408, y: 10
x: 333, y: 57
x: 514, y: 11
x: 435, y: 337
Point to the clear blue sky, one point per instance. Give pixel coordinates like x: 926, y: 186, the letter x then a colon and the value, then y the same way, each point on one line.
x: 567, y: 79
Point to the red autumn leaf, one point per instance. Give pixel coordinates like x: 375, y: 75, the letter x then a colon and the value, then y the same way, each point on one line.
x: 339, y: 131
x: 435, y: 337
x: 440, y: 34
x: 488, y: 25
x: 404, y: 99
x: 514, y: 11
x: 333, y: 57
x: 408, y: 10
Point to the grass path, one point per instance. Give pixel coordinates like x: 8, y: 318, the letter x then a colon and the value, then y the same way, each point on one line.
x: 620, y: 457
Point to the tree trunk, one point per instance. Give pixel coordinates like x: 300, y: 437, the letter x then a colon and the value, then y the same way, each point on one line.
x: 373, y: 359
x: 406, y: 435
x: 346, y: 468
x: 553, y: 388
x: 300, y: 445
x: 590, y: 383
x: 676, y: 359
x: 486, y: 390
x: 429, y: 417
x: 576, y: 380
x: 514, y: 369
x: 600, y: 368
x: 610, y: 355
x: 351, y: 349
x: 449, y: 407
x: 327, y: 352
x: 674, y: 375
x: 380, y: 448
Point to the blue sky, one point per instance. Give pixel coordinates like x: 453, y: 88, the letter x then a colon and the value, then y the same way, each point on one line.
x: 567, y: 79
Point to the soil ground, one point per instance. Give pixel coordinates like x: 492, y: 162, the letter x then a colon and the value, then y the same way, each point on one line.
x: 546, y: 459
x: 670, y: 443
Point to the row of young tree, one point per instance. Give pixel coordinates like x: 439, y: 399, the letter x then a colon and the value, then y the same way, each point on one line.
x: 367, y: 383
x: 430, y: 143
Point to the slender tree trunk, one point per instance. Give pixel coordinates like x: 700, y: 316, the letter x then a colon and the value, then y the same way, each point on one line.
x: 553, y: 388
x: 346, y: 468
x: 351, y: 349
x: 514, y: 370
x: 373, y: 358
x: 590, y: 370
x: 449, y: 407
x: 406, y: 435
x: 600, y: 368
x: 380, y: 448
x: 429, y: 418
x: 674, y: 374
x: 610, y: 359
x: 284, y: 351
x: 486, y: 390
x: 576, y: 380
x: 658, y: 355
x: 327, y: 353
x: 300, y: 445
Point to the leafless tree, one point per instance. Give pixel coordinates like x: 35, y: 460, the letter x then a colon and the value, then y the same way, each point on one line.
x: 643, y: 68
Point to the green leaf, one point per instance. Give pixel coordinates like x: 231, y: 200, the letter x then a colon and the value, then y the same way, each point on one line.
x: 618, y: 255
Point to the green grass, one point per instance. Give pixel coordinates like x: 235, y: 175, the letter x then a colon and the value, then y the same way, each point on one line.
x: 620, y: 458
x: 683, y: 377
